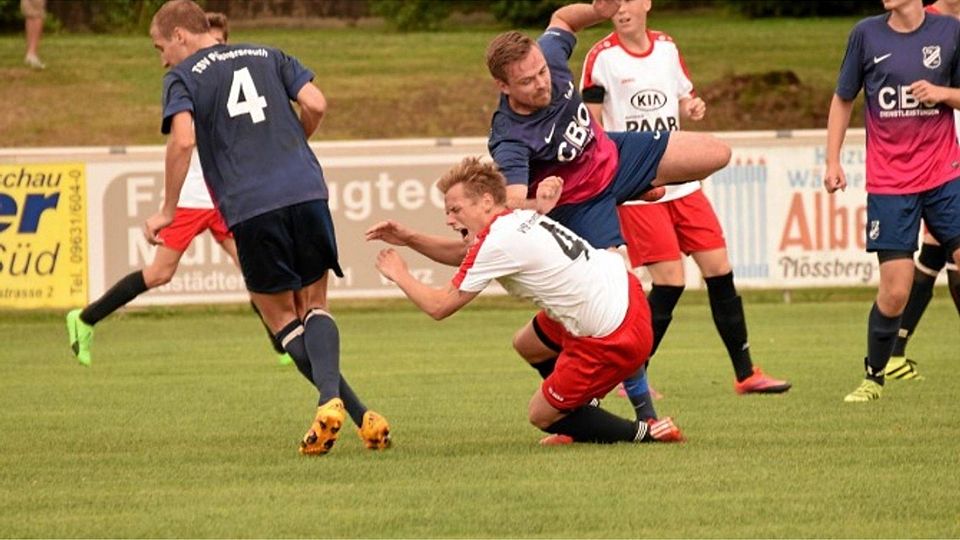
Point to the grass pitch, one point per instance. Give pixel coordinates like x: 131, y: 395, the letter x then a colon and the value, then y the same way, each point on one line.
x: 184, y: 426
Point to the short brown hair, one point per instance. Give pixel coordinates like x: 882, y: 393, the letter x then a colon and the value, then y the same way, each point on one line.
x: 179, y: 13
x: 506, y: 49
x: 477, y: 178
x: 218, y: 20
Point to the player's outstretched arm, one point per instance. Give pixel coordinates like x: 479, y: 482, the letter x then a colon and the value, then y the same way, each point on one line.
x: 312, y: 108
x: 438, y: 303
x: 576, y: 17
x: 837, y: 122
x: 442, y: 249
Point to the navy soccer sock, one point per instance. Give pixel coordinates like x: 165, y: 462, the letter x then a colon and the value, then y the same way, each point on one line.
x: 881, y: 331
x: 321, y: 338
x: 953, y: 283
x: 920, y: 295
x: 727, y: 309
x: 293, y: 335
x: 122, y: 292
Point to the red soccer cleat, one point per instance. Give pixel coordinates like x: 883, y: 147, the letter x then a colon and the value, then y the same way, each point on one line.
x: 557, y: 439
x: 664, y: 430
x: 759, y: 383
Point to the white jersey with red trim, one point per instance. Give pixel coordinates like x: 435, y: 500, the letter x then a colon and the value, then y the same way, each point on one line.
x: 195, y: 193
x: 534, y: 257
x: 640, y: 91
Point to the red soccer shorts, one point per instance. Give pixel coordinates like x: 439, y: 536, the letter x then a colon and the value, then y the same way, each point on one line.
x: 188, y: 223
x: 590, y: 367
x: 663, y: 231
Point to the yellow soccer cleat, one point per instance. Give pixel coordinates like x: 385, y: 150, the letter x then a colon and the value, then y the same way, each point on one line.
x: 374, y: 431
x: 325, y: 429
x: 901, y: 368
x: 867, y: 391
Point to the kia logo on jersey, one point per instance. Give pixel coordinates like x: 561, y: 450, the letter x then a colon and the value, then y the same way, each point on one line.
x: 931, y: 56
x: 648, y: 100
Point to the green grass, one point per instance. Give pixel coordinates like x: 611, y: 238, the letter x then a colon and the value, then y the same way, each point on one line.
x: 185, y: 427
x: 105, y: 90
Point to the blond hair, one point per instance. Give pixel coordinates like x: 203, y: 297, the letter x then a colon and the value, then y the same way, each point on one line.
x: 477, y: 178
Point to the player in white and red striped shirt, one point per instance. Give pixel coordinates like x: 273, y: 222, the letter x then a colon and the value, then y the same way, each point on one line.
x: 635, y: 80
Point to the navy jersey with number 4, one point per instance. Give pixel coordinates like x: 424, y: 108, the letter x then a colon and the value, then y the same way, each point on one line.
x: 252, y: 148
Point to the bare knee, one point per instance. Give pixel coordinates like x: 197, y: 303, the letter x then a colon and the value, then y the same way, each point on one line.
x: 893, y: 300
x: 158, y: 276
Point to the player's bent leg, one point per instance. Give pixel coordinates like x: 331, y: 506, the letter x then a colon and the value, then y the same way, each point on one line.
x: 163, y: 267
x: 691, y: 156
x: 536, y: 348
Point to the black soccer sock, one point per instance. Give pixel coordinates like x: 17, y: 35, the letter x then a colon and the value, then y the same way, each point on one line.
x: 727, y: 309
x: 595, y: 425
x: 321, y: 337
x: 953, y: 283
x: 920, y: 294
x: 881, y: 331
x: 292, y: 333
x: 662, y: 299
x: 277, y: 347
x: 122, y: 292
x: 351, y: 402
x: 545, y: 367
x: 638, y: 392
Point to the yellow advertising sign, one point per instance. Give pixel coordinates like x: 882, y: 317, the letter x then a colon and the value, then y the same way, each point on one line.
x: 43, y: 235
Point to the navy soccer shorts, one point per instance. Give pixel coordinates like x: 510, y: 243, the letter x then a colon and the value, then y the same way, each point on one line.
x: 288, y: 248
x: 893, y: 221
x: 596, y: 219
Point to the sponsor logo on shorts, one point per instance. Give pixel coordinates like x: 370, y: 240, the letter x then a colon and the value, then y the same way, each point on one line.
x: 553, y: 393
x: 874, y: 229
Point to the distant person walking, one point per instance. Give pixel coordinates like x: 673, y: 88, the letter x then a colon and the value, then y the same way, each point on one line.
x: 33, y: 14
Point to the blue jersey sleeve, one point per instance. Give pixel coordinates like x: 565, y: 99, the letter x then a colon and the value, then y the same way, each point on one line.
x: 176, y: 99
x: 295, y: 76
x: 557, y: 46
x: 850, y: 80
x: 513, y: 159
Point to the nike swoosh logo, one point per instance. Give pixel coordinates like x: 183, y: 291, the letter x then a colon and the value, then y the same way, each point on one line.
x: 878, y: 59
x: 549, y: 137
x: 569, y: 93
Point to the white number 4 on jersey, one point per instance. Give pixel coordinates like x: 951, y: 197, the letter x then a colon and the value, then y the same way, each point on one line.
x: 252, y: 104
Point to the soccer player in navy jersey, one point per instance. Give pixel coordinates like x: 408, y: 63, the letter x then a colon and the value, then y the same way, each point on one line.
x: 542, y: 128
x: 908, y: 63
x: 931, y: 260
x: 233, y: 103
x: 195, y: 214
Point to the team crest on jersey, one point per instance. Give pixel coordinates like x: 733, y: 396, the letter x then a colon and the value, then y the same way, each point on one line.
x: 874, y: 229
x: 931, y: 56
